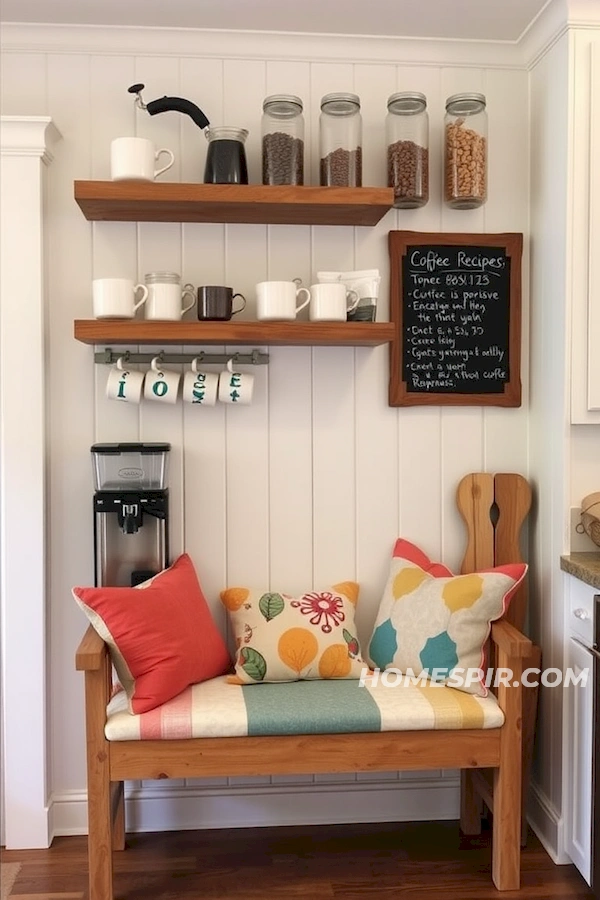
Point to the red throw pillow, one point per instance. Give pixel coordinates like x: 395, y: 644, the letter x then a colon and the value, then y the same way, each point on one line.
x: 161, y: 634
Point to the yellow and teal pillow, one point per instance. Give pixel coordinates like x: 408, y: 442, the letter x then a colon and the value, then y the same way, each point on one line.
x: 279, y: 637
x: 432, y: 621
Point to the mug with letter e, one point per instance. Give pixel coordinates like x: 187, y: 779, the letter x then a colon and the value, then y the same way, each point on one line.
x: 235, y: 387
x: 278, y: 299
x: 331, y: 302
x: 115, y: 298
x: 133, y: 158
x: 161, y: 384
x: 200, y: 387
x: 124, y: 384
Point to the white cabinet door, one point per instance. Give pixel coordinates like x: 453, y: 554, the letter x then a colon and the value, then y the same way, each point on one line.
x: 578, y: 763
x: 583, y: 287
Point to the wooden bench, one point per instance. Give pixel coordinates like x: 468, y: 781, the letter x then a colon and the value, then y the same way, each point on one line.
x: 497, y: 752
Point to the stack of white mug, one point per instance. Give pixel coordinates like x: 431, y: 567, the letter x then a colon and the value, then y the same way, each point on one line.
x: 159, y: 384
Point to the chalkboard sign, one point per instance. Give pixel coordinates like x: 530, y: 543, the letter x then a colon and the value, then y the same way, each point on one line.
x: 456, y: 303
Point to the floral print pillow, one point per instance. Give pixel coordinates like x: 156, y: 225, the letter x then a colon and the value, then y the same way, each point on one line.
x: 283, y: 638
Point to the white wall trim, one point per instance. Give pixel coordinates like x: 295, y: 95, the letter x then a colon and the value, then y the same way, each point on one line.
x: 548, y: 825
x: 183, y: 42
x: 168, y: 808
x: 24, y: 148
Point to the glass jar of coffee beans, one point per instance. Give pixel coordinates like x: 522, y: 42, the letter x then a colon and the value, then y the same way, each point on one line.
x: 466, y: 151
x: 340, y: 141
x: 282, y: 129
x: 407, y: 133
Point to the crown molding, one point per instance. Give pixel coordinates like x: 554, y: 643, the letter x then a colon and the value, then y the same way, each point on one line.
x: 28, y: 136
x: 207, y: 43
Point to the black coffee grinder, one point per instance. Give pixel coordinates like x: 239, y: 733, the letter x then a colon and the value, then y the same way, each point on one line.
x: 131, y: 512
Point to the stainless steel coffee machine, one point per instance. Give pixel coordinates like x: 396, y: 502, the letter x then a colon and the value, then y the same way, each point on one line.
x: 131, y: 512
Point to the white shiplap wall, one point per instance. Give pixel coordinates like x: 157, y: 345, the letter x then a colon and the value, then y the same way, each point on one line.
x: 316, y: 478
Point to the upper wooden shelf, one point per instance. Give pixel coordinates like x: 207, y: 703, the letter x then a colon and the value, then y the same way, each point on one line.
x: 150, y: 201
x: 134, y: 331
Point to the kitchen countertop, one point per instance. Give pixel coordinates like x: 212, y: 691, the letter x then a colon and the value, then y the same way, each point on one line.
x: 585, y: 566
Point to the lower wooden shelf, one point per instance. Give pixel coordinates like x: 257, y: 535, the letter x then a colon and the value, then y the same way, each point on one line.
x: 133, y: 331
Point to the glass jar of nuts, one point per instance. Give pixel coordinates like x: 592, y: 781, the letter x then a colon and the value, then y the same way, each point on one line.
x: 282, y: 140
x: 340, y: 140
x: 466, y: 151
x: 407, y: 133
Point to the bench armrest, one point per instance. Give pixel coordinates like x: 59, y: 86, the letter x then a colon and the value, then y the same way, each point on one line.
x: 507, y: 638
x: 91, y: 652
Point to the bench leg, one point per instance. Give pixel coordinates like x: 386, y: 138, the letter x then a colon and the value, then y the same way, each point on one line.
x: 506, y: 835
x: 470, y: 804
x: 99, y: 790
x: 118, y: 815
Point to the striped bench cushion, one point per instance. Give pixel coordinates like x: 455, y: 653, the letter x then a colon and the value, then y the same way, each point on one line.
x: 218, y: 709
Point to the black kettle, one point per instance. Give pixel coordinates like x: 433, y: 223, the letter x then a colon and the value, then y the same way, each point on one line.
x: 226, y: 158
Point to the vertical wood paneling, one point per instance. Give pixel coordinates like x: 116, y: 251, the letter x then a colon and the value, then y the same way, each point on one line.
x: 505, y: 430
x: 70, y: 408
x: 314, y: 481
x: 419, y: 428
x: 114, y: 244
x: 23, y: 84
x: 376, y: 442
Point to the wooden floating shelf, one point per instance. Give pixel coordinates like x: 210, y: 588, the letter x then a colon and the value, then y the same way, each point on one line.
x: 149, y: 201
x: 336, y: 334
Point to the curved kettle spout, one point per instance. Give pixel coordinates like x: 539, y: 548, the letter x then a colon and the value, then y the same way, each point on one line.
x: 171, y: 104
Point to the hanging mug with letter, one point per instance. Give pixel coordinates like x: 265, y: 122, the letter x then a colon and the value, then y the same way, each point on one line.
x: 200, y: 387
x: 235, y: 387
x: 161, y: 384
x: 124, y: 384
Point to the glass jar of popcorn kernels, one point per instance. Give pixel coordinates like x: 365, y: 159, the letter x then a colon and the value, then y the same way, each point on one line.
x: 465, y: 151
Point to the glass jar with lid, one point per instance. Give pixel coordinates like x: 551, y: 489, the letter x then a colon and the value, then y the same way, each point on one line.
x: 226, y: 157
x: 407, y: 134
x: 465, y: 151
x: 282, y: 140
x: 340, y: 141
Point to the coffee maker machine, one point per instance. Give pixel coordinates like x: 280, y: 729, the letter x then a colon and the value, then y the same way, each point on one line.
x: 131, y: 512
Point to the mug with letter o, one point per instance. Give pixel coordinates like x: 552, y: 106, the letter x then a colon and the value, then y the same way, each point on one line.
x: 161, y: 384
x: 200, y: 387
x: 124, y: 384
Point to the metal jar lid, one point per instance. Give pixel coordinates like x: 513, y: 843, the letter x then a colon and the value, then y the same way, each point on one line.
x: 408, y: 103
x: 341, y: 104
x: 283, y: 104
x: 465, y: 104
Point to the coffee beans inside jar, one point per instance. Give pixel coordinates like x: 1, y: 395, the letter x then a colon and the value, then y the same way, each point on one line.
x: 407, y: 132
x: 340, y: 141
x: 466, y: 151
x: 282, y: 140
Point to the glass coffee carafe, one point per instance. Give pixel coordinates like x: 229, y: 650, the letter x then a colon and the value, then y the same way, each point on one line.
x: 226, y: 157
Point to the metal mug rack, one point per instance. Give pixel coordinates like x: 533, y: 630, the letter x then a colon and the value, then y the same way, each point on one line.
x: 109, y: 357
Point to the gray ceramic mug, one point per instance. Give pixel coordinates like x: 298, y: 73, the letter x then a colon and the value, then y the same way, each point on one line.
x: 215, y: 302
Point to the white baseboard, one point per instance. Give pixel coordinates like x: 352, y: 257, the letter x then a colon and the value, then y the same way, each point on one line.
x: 163, y: 807
x: 548, y: 825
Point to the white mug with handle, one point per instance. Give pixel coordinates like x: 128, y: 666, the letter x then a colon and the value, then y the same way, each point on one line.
x: 115, y: 298
x: 161, y: 384
x: 278, y: 299
x: 331, y: 302
x: 133, y: 158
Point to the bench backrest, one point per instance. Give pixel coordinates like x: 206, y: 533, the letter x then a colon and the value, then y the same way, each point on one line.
x: 494, y: 508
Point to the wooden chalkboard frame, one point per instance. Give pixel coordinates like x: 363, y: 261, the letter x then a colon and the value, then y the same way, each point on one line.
x: 399, y: 244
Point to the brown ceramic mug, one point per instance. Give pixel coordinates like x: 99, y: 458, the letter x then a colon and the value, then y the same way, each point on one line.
x: 215, y: 302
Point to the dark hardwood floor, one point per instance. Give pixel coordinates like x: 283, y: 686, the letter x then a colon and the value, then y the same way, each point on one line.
x: 414, y: 861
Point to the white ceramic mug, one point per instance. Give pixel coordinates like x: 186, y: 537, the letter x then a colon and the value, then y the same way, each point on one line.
x: 200, y: 387
x: 165, y: 297
x: 115, y: 298
x: 278, y: 299
x: 235, y: 387
x: 134, y: 158
x: 124, y: 384
x: 161, y: 384
x: 331, y: 302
